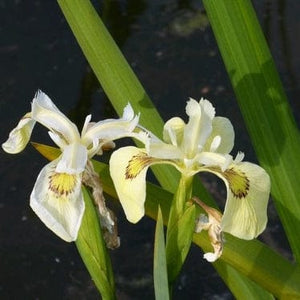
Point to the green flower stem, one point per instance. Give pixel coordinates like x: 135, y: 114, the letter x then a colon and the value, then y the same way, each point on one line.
x: 182, y: 195
x: 93, y: 251
x: 181, y: 225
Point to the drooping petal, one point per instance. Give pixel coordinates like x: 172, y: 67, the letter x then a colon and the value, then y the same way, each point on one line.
x: 128, y: 168
x: 199, y: 127
x: 19, y: 136
x: 222, y: 128
x: 248, y: 188
x: 73, y: 159
x: 45, y: 112
x: 58, y: 201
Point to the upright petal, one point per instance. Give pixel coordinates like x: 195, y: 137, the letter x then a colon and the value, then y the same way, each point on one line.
x: 45, y: 112
x: 128, y: 167
x: 199, y: 126
x: 222, y: 128
x: 58, y: 201
x: 173, y: 131
x: 73, y: 159
x: 19, y: 136
x: 128, y: 113
x: 248, y: 189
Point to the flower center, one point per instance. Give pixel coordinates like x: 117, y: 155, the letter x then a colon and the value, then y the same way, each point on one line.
x: 62, y: 184
x: 238, y: 182
x: 137, y: 164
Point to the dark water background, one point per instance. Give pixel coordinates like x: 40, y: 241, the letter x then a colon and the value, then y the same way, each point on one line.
x: 171, y: 48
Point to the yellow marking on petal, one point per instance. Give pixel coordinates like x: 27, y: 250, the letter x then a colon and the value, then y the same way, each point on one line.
x: 62, y: 184
x: 137, y: 164
x: 238, y: 182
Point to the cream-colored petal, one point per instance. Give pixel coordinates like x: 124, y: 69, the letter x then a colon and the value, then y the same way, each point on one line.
x: 165, y: 151
x: 87, y: 124
x: 112, y: 129
x: 73, y: 159
x: 210, y: 159
x: 45, y: 112
x: 222, y: 128
x: 128, y: 113
x: 19, y: 136
x: 58, y: 201
x: 199, y: 127
x: 128, y: 167
x: 173, y: 131
x: 248, y: 189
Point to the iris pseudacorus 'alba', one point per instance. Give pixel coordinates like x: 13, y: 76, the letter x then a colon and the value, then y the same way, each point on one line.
x: 57, y: 198
x: 202, y: 144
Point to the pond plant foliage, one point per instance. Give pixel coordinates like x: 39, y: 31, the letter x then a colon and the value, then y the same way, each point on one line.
x: 68, y: 196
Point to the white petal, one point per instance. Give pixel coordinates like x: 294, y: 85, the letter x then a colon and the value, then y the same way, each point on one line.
x: 58, y: 139
x: 57, y: 200
x: 211, y: 159
x: 199, y: 126
x: 208, y: 108
x: 86, y: 124
x: 210, y: 256
x: 73, y: 159
x: 128, y: 173
x: 19, y: 136
x: 222, y: 128
x: 128, y: 113
x: 215, y: 143
x: 239, y: 157
x: 165, y: 151
x: 246, y: 217
x: 173, y: 131
x: 111, y: 129
x: 248, y: 189
x: 45, y: 112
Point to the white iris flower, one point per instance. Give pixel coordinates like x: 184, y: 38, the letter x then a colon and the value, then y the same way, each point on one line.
x: 201, y: 145
x: 56, y: 197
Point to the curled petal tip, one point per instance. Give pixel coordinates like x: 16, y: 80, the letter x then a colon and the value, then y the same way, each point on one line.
x: 19, y: 136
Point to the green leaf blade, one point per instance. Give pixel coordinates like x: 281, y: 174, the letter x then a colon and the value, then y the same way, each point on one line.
x: 160, y: 275
x: 263, y: 104
x: 93, y: 251
x: 81, y: 26
x: 179, y: 240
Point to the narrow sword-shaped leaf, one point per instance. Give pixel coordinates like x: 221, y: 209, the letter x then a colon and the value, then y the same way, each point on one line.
x: 263, y: 104
x: 160, y: 275
x: 93, y: 251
